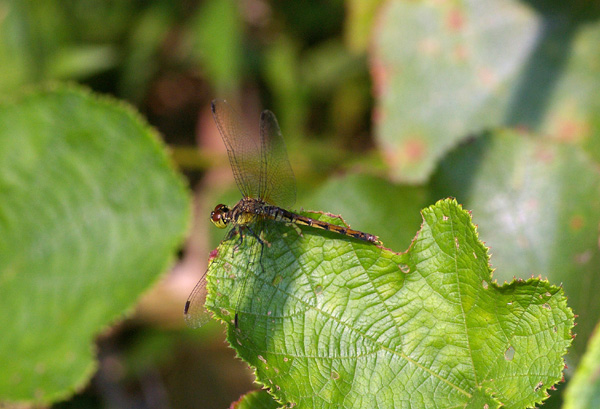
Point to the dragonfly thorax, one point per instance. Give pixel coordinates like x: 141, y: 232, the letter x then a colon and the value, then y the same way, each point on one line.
x: 220, y: 217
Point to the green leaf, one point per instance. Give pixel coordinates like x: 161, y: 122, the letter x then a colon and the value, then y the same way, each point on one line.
x: 282, y: 75
x: 359, y: 23
x: 49, y: 40
x: 91, y: 212
x: 256, y: 400
x: 82, y: 61
x: 583, y: 391
x: 30, y: 34
x: 146, y: 36
x: 330, y: 321
x: 216, y: 32
x: 444, y: 70
x: 538, y: 206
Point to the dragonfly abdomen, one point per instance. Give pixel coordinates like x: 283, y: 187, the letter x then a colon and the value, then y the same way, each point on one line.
x: 282, y: 215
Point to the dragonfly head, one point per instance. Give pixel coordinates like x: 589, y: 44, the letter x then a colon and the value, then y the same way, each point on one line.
x: 220, y: 216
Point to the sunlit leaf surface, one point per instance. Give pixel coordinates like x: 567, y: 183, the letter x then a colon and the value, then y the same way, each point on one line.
x: 334, y: 322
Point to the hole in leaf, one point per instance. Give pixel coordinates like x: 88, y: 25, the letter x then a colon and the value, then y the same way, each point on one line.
x: 510, y: 353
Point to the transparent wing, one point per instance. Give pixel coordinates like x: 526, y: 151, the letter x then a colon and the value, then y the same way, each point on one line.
x: 243, y: 149
x: 277, y: 182
x: 195, y: 313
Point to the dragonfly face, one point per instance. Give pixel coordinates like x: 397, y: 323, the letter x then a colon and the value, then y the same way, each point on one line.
x: 220, y: 216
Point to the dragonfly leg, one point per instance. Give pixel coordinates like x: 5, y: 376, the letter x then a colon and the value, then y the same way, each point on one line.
x: 262, y: 243
x: 296, y: 228
x: 232, y: 233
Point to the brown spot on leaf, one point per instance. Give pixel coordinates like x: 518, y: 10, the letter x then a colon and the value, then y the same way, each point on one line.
x: 583, y: 258
x: 571, y: 130
x: 414, y: 149
x: 545, y: 155
x: 487, y: 77
x: 576, y: 222
x: 213, y: 254
x: 380, y: 75
x: 455, y: 20
x: 409, y: 152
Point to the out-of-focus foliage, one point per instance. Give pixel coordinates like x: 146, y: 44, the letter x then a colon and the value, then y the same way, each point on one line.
x: 90, y: 213
x: 428, y: 74
x: 47, y: 40
x: 444, y: 70
x: 216, y: 43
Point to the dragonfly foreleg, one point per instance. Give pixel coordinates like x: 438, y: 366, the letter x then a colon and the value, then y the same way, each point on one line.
x: 233, y: 232
x: 262, y: 241
x: 295, y: 227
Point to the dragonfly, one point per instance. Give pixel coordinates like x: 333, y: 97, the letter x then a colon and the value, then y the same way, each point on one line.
x: 264, y: 176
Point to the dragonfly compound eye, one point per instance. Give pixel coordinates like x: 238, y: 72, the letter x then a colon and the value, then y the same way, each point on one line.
x: 219, y: 217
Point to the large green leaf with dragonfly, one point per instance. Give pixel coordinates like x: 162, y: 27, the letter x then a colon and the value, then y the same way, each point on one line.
x: 330, y: 321
x: 91, y: 212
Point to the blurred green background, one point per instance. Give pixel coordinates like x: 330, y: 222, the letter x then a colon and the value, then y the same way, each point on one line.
x: 385, y: 106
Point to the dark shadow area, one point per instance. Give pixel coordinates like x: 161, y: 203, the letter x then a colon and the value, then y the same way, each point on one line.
x: 455, y: 174
x: 558, y: 28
